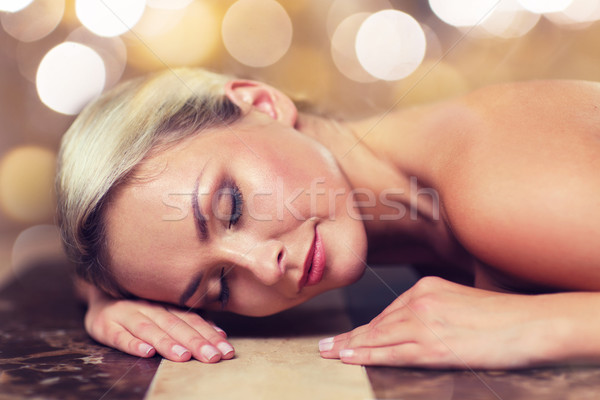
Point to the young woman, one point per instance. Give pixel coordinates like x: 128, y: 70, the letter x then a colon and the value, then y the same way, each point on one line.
x: 202, y: 191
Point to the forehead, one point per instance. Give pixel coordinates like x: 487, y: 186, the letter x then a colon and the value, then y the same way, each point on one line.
x: 150, y: 227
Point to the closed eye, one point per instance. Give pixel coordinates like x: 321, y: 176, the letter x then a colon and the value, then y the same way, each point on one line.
x: 237, y: 201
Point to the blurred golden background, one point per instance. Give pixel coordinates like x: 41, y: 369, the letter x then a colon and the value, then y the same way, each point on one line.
x: 345, y: 57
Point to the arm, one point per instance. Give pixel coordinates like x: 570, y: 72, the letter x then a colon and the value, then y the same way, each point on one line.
x: 142, y: 328
x: 439, y: 324
x: 521, y: 195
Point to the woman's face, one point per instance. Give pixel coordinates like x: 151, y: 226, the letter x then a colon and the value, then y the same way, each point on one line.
x: 254, y: 218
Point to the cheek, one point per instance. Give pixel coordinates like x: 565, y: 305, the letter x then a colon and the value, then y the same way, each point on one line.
x: 259, y: 301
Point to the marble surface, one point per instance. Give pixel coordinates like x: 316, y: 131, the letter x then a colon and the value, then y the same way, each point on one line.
x: 576, y: 383
x: 45, y: 352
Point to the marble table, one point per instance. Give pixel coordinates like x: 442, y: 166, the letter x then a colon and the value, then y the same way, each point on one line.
x: 46, y: 354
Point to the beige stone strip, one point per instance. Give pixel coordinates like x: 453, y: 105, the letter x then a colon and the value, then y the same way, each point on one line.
x: 278, y: 366
x: 264, y: 369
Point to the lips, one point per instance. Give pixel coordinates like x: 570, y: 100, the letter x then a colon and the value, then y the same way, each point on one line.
x: 314, y: 265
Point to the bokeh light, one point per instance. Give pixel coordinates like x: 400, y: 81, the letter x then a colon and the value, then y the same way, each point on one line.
x: 26, y: 182
x: 34, y: 22
x: 156, y: 22
x: 510, y: 20
x: 69, y: 76
x: 257, y: 33
x: 34, y: 244
x: 343, y: 49
x: 14, y: 5
x: 342, y: 9
x: 390, y: 45
x: 112, y: 50
x: 29, y: 55
x: 434, y: 47
x: 168, y: 4
x: 579, y: 14
x: 545, y: 6
x: 109, y: 17
x: 463, y: 12
x: 172, y: 38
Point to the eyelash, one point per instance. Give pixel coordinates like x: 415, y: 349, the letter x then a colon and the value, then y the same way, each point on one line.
x: 237, y: 203
x: 224, y: 295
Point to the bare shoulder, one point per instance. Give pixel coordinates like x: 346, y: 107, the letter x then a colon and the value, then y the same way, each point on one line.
x: 522, y: 191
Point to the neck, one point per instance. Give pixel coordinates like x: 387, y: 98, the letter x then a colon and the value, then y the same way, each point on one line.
x: 394, y: 202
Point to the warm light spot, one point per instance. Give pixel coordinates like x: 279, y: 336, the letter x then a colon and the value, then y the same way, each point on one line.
x: 171, y: 38
x: 69, y: 76
x: 111, y: 49
x: 34, y: 22
x: 157, y: 22
x: 390, y: 45
x: 168, y: 4
x: 545, y: 6
x: 510, y: 20
x: 463, y: 12
x: 109, y: 17
x: 578, y: 15
x: 14, y: 5
x: 26, y: 182
x: 343, y: 50
x: 257, y: 33
x: 434, y: 45
x: 342, y: 9
x: 35, y: 244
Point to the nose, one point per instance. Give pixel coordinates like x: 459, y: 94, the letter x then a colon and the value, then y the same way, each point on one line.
x: 265, y: 259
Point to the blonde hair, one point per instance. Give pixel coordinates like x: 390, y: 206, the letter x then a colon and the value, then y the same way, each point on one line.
x: 112, y: 136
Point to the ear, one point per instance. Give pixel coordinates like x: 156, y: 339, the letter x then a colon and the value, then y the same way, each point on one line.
x: 264, y: 98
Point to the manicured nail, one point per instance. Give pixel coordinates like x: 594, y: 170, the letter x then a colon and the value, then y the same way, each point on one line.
x: 209, y: 352
x: 179, y: 350
x: 224, y: 348
x: 221, y: 331
x: 326, y: 344
x: 145, y: 348
x: 346, y: 353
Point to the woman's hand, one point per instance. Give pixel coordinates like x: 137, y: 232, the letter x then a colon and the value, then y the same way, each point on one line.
x: 439, y: 324
x: 141, y: 328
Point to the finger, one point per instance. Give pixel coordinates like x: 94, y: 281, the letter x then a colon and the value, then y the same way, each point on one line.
x: 208, y: 330
x: 124, y: 341
x: 219, y: 330
x: 147, y: 330
x: 400, y: 355
x: 205, y: 343
x: 374, y: 333
x: 380, y: 335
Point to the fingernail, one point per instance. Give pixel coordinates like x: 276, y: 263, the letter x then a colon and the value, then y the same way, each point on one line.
x: 145, y: 348
x: 209, y: 352
x: 224, y: 348
x: 346, y: 353
x: 326, y: 344
x: 179, y: 350
x: 221, y: 331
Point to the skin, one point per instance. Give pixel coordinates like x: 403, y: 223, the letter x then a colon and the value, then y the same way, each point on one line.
x: 499, y: 186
